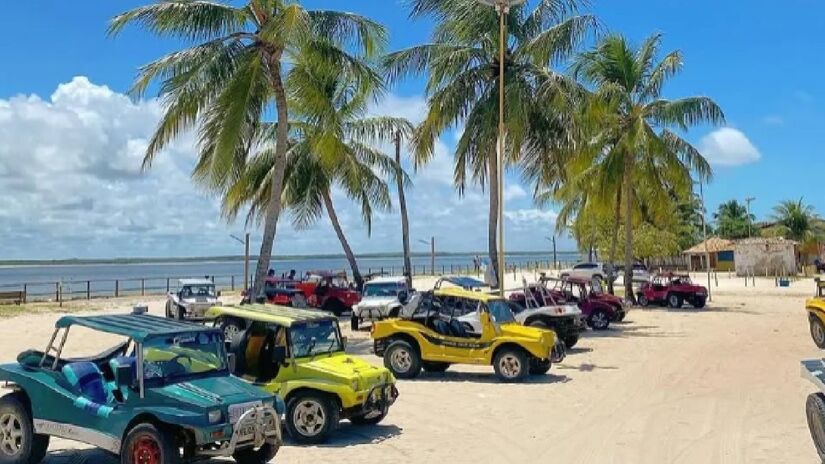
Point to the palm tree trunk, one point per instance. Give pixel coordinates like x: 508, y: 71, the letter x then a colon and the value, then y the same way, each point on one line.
x: 628, y: 234
x: 492, y: 226
x: 356, y: 274
x: 614, y: 240
x: 402, y: 203
x: 273, y: 208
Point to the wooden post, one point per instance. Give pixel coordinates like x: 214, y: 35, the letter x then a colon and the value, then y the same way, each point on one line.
x: 117, y: 288
x: 167, y: 285
x: 232, y: 284
x: 245, y: 264
x: 57, y: 291
x: 25, y: 292
x: 88, y: 289
x: 142, y: 287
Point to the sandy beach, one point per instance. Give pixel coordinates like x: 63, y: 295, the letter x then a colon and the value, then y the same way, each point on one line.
x: 719, y: 385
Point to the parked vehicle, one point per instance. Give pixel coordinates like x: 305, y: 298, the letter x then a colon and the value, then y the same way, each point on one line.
x: 280, y: 291
x: 191, y: 300
x: 536, y: 307
x: 431, y: 335
x: 598, y: 308
x: 382, y: 297
x: 588, y: 271
x: 641, y: 275
x: 814, y: 371
x: 299, y: 354
x: 673, y: 290
x: 165, y: 388
x: 329, y: 291
x: 816, y: 314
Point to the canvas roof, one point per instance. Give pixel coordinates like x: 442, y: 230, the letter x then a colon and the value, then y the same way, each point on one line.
x: 138, y: 327
x: 275, y: 314
x: 714, y: 245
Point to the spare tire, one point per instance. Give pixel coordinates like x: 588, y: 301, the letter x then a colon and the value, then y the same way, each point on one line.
x: 815, y: 411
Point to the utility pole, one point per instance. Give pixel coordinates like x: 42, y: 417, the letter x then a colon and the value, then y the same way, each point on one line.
x: 705, y: 236
x: 748, y: 205
x: 553, y: 240
x: 432, y: 252
x: 245, y: 242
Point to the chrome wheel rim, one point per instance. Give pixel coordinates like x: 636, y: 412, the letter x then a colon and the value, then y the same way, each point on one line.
x: 309, y: 418
x: 11, y: 434
x: 818, y: 333
x: 674, y: 301
x: 401, y: 360
x: 599, y: 320
x: 230, y: 331
x: 509, y: 366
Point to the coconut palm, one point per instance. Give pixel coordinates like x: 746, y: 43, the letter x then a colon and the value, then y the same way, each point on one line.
x: 732, y: 220
x: 332, y: 147
x: 462, y: 62
x: 797, y: 220
x: 232, y: 76
x: 631, y: 147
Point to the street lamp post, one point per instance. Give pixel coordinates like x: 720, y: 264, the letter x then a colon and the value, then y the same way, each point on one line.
x: 705, y: 236
x: 503, y: 9
x: 245, y: 242
x: 431, y: 243
x: 748, y: 202
x: 553, y: 239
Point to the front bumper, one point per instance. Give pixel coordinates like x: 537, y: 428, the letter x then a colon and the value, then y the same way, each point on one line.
x: 379, y: 345
x: 371, y: 313
x: 256, y: 427
x: 377, y: 402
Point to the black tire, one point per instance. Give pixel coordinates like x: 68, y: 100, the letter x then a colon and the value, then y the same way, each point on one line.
x: 511, y: 364
x: 817, y: 331
x: 169, y: 314
x: 311, y: 417
x: 402, y: 360
x: 620, y: 315
x: 180, y: 312
x: 363, y: 420
x: 539, y: 324
x: 231, y: 328
x: 642, y: 300
x: 815, y: 411
x: 675, y: 301
x: 148, y: 438
x: 353, y: 322
x: 394, y: 312
x: 334, y: 306
x: 599, y: 320
x: 434, y: 366
x: 699, y: 302
x: 29, y: 447
x: 570, y: 341
x: 539, y: 367
x: 262, y: 455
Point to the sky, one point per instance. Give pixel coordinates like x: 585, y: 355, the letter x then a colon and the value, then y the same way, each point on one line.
x: 71, y: 141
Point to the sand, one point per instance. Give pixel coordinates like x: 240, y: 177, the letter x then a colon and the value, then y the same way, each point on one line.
x: 720, y: 385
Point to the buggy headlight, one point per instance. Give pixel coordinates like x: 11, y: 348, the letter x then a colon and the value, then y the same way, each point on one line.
x: 215, y: 416
x: 355, y: 385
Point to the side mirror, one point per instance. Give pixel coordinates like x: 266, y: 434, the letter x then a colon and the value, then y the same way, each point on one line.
x: 124, y: 376
x: 279, y: 354
x: 403, y: 297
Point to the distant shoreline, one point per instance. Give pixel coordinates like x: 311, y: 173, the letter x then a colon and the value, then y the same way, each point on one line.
x: 220, y: 259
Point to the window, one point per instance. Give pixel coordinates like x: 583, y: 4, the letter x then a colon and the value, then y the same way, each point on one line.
x: 315, y: 338
x: 184, y: 355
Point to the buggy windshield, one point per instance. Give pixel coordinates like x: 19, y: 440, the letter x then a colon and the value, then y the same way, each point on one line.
x: 192, y: 291
x: 315, y: 338
x: 500, y: 312
x: 385, y: 289
x: 183, y: 355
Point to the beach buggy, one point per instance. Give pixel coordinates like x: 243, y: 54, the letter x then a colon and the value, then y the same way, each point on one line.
x: 163, y: 394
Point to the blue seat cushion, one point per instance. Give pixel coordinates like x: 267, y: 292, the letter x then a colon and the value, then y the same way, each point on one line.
x: 457, y: 329
x: 441, y: 327
x: 88, y: 380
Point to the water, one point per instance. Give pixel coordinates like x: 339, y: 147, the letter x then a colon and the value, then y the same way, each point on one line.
x: 98, y: 280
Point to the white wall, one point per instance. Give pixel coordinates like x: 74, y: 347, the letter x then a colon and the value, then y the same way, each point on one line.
x: 755, y: 256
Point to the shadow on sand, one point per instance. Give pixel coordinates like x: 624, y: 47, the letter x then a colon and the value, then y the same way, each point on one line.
x: 630, y: 331
x: 483, y: 377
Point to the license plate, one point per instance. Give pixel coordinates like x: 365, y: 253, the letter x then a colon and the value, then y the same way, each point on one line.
x: 246, y: 431
x: 237, y: 410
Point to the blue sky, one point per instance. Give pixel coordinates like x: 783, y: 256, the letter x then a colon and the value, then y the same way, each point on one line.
x: 756, y: 59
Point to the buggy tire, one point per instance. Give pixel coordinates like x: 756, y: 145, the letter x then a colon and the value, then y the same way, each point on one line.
x: 231, y: 328
x: 570, y: 341
x: 402, y: 359
x: 15, y: 418
x: 169, y: 314
x: 699, y: 302
x: 354, y: 322
x: 262, y: 455
x: 599, y: 320
x: 180, y: 313
x: 434, y: 366
x: 394, y: 312
x: 642, y: 300
x: 815, y: 412
x: 311, y: 417
x: 539, y: 367
x: 334, y: 306
x: 511, y: 364
x: 147, y: 439
x: 675, y: 301
x: 817, y: 331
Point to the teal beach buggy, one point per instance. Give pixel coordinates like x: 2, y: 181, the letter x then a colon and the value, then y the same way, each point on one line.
x: 162, y: 395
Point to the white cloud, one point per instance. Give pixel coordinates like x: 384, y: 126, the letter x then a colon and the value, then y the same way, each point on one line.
x: 773, y: 120
x: 72, y: 187
x: 728, y: 147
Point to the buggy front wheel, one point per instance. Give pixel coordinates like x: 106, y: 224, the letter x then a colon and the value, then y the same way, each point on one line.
x: 18, y: 442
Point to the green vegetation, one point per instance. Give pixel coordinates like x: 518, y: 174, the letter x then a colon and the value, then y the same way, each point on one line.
x: 733, y: 221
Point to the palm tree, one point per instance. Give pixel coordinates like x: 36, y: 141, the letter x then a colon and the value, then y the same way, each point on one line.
x: 733, y: 220
x: 462, y: 62
x: 232, y: 76
x: 402, y: 203
x: 630, y: 147
x: 797, y: 221
x: 332, y: 146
